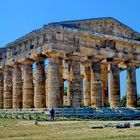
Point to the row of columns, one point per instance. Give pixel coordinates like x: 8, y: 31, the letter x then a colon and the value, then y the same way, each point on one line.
x: 17, y: 89
x: 96, y: 86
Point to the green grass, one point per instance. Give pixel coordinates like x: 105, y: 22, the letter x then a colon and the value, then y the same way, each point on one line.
x: 26, y: 130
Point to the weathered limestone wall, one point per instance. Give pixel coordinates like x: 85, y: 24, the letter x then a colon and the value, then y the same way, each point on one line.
x: 28, y: 90
x: 131, y: 87
x: 96, y: 85
x: 17, y: 87
x: 1, y: 90
x: 114, y: 86
x: 39, y: 93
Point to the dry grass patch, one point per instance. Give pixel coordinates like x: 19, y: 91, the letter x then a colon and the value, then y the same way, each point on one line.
x: 26, y: 130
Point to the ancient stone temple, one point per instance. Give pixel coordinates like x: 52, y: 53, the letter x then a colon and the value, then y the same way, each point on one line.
x: 82, y: 52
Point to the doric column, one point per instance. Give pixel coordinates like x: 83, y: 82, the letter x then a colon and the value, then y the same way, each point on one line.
x: 82, y: 90
x: 75, y: 84
x: 7, y: 89
x: 114, y: 86
x: 61, y: 81
x: 39, y: 93
x: 104, y: 72
x: 96, y: 85
x: 131, y: 87
x: 28, y: 91
x: 46, y: 87
x: 69, y: 79
x: 87, y: 86
x: 68, y: 94
x: 1, y: 90
x: 53, y: 83
x: 17, y: 87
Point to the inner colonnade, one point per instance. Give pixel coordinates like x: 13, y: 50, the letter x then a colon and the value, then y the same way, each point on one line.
x: 82, y: 52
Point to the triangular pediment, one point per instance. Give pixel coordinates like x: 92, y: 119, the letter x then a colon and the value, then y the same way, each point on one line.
x: 109, y: 26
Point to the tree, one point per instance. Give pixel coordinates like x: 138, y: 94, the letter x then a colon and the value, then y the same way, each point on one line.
x: 123, y: 101
x: 138, y: 101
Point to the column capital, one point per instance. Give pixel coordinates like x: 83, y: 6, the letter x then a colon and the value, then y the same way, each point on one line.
x: 39, y: 57
x: 26, y: 61
x: 126, y: 64
x: 74, y: 58
x: 54, y: 53
x: 131, y: 65
x: 7, y: 68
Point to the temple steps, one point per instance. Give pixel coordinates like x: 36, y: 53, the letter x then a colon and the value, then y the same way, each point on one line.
x: 72, y: 113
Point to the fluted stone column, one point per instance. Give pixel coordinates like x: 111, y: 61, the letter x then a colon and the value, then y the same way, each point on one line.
x: 69, y: 94
x: 7, y: 89
x: 53, y: 83
x: 61, y: 81
x: 131, y: 87
x: 69, y: 73
x: 96, y: 85
x: 87, y: 86
x: 17, y: 87
x: 114, y: 86
x: 46, y: 87
x: 82, y: 90
x: 39, y: 93
x: 104, y: 72
x: 28, y: 90
x: 1, y: 90
x: 75, y: 84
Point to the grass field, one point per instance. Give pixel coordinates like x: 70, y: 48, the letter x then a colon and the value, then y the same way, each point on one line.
x: 26, y: 130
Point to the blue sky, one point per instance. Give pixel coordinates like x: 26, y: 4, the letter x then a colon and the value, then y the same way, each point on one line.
x: 18, y: 17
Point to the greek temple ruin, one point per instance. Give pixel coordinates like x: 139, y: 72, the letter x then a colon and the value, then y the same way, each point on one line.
x: 81, y: 52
